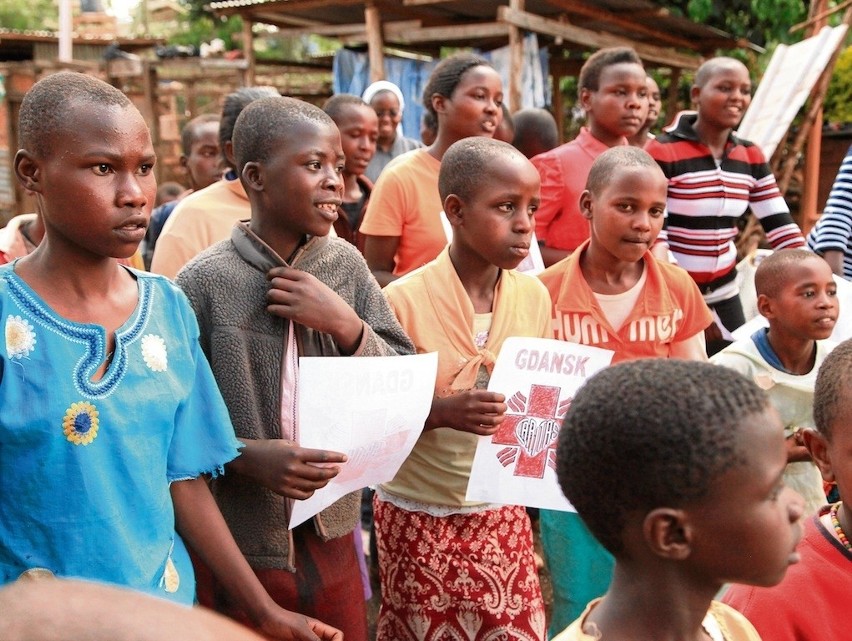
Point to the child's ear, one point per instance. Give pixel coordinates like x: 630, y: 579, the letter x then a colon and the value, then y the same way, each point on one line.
x: 765, y: 306
x: 228, y: 150
x: 694, y: 92
x: 667, y: 533
x: 27, y: 170
x: 586, y: 204
x: 438, y: 102
x: 818, y: 447
x: 183, y: 161
x: 253, y: 176
x: 453, y: 209
x: 586, y: 99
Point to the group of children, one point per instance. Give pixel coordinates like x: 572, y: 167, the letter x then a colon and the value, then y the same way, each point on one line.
x: 123, y: 392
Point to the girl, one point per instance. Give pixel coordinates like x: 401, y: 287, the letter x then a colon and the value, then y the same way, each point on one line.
x: 110, y: 414
x: 402, y: 222
x: 386, y: 100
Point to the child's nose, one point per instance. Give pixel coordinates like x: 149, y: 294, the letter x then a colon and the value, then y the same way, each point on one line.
x: 131, y: 193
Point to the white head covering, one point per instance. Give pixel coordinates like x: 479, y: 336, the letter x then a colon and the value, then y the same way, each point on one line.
x: 383, y: 85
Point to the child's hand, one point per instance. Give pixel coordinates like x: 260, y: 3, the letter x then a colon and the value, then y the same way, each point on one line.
x: 291, y: 626
x: 796, y: 450
x: 287, y: 469
x: 477, y: 411
x: 301, y: 297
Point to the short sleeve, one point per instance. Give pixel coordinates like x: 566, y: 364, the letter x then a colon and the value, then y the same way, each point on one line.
x: 203, y: 440
x: 385, y: 215
x: 552, y: 187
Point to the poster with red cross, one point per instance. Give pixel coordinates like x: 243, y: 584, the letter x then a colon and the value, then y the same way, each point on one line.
x: 539, y: 377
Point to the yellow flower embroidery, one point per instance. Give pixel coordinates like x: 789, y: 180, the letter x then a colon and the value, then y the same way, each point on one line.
x: 20, y: 337
x: 81, y: 423
x: 154, y: 352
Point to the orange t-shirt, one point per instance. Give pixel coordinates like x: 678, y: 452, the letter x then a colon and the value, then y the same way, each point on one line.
x: 405, y: 203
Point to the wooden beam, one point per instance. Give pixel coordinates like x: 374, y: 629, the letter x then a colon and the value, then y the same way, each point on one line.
x: 281, y: 19
x: 447, y: 33
x: 354, y: 30
x: 516, y: 60
x: 375, y: 44
x: 594, y: 39
x: 284, y: 5
x: 583, y: 9
x: 671, y: 98
x: 417, y: 3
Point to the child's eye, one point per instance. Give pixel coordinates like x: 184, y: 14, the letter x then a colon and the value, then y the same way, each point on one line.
x: 808, y: 293
x: 506, y: 208
x: 314, y: 164
x: 832, y: 292
x: 339, y: 169
x: 656, y: 213
x: 102, y: 169
x: 145, y: 169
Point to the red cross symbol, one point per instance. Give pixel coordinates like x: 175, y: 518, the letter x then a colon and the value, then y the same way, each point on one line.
x: 530, y: 431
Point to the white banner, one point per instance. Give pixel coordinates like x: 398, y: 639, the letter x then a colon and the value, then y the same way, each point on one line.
x: 539, y: 377
x: 371, y: 409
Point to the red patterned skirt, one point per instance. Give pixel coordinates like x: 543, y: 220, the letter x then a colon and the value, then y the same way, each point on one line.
x: 464, y: 577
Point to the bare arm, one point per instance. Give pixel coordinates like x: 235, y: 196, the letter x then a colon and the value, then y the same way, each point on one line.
x: 693, y: 348
x: 200, y: 523
x: 834, y: 258
x: 379, y: 252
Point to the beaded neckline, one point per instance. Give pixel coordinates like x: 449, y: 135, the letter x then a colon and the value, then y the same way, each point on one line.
x: 835, y: 521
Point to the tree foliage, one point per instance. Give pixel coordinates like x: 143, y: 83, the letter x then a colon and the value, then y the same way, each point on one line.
x: 29, y: 15
x: 760, y: 21
x: 838, y: 101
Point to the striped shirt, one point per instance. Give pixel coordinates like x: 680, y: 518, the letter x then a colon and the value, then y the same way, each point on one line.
x: 706, y: 198
x: 833, y: 230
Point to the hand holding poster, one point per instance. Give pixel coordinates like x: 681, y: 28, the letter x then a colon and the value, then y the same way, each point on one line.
x: 371, y: 409
x: 539, y: 377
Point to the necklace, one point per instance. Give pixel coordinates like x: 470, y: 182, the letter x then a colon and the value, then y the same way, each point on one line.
x: 835, y: 521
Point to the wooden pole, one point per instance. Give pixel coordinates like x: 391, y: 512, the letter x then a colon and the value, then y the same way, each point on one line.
x: 808, y: 206
x: 375, y: 42
x: 248, y: 51
x: 671, y: 97
x: 516, y: 60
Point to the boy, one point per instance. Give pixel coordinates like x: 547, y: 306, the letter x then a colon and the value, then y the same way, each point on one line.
x: 535, y: 132
x: 808, y: 605
x: 207, y: 216
x: 831, y: 237
x: 612, y: 293
x: 359, y: 130
x: 278, y: 289
x: 797, y: 295
x: 613, y: 94
x: 449, y: 568
x: 110, y: 483
x: 685, y: 490
x: 713, y: 177
x: 200, y: 158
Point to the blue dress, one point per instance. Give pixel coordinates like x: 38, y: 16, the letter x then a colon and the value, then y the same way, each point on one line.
x: 85, y: 466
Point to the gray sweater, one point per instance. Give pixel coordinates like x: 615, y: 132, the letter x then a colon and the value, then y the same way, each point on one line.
x: 226, y: 285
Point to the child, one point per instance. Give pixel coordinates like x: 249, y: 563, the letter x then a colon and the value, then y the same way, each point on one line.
x: 359, y: 130
x: 831, y: 237
x: 641, y: 137
x: 451, y: 569
x: 278, y: 289
x: 535, y: 132
x: 200, y: 158
x: 207, y: 216
x: 612, y: 293
x: 109, y: 412
x: 613, y: 94
x: 686, y: 490
x: 798, y: 296
x: 808, y: 605
x: 403, y: 220
x: 713, y: 177
x: 386, y: 99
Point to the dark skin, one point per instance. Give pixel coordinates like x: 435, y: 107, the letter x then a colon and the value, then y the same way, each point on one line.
x: 105, y: 157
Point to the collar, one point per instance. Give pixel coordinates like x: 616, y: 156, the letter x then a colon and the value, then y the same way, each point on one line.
x: 576, y: 295
x: 684, y: 127
x: 591, y: 145
x: 261, y: 256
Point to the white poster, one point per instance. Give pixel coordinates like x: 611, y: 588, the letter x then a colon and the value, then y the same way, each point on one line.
x: 539, y: 377
x: 371, y: 409
x: 791, y: 75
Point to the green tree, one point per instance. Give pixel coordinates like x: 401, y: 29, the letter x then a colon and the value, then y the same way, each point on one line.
x: 33, y: 14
